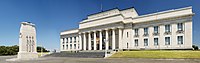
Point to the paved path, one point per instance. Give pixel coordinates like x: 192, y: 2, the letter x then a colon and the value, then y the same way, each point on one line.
x: 98, y: 60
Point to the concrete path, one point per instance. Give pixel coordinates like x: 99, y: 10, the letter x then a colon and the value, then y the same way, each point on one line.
x: 97, y: 60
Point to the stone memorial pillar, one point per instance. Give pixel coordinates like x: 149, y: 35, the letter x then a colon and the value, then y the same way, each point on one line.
x: 27, y: 41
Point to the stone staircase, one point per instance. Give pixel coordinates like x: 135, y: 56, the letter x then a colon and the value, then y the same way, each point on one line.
x: 79, y: 54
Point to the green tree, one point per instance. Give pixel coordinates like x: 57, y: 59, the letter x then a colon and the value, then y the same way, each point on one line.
x: 195, y: 47
x: 13, y: 50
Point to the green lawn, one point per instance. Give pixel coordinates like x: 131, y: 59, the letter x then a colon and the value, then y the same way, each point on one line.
x: 43, y: 53
x: 156, y: 54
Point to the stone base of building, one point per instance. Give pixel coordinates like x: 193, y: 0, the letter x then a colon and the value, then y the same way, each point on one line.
x: 27, y: 55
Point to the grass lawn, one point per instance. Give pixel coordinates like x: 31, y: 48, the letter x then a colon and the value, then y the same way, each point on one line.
x: 44, y: 53
x: 156, y: 54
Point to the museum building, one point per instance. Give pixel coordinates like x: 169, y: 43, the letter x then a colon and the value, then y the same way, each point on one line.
x: 117, y: 29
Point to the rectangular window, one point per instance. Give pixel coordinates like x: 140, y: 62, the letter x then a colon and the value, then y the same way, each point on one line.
x: 180, y: 40
x: 145, y: 42
x: 155, y: 29
x: 136, y: 42
x: 136, y: 32
x: 167, y: 28
x: 167, y: 40
x: 127, y: 34
x: 74, y: 39
x: 70, y: 39
x: 63, y: 47
x: 155, y: 41
x: 70, y: 46
x: 145, y: 31
x: 180, y: 26
x: 63, y: 40
x: 66, y: 46
x: 74, y: 46
x: 66, y: 40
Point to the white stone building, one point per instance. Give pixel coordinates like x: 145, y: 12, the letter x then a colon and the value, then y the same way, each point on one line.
x: 125, y: 29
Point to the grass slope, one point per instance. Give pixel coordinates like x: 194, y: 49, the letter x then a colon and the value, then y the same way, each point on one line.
x: 156, y: 54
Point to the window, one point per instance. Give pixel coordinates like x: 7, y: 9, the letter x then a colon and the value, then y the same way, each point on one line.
x: 155, y: 41
x: 70, y: 46
x: 167, y: 40
x: 63, y: 47
x: 180, y: 40
x: 136, y: 42
x: 63, y: 40
x: 136, y: 32
x: 74, y: 46
x: 180, y: 26
x: 167, y: 28
x: 70, y: 39
x: 145, y: 42
x: 66, y: 40
x: 155, y: 29
x: 127, y: 34
x: 67, y: 46
x: 145, y: 31
x: 74, y: 39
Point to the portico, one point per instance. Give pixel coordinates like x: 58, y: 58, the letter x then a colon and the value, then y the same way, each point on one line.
x: 104, y: 39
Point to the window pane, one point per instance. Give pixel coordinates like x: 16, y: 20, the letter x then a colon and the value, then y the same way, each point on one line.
x: 136, y: 42
x: 136, y: 31
x: 156, y: 29
x: 145, y: 42
x: 155, y: 41
x: 180, y: 26
x: 145, y: 30
x: 167, y: 40
x: 180, y: 39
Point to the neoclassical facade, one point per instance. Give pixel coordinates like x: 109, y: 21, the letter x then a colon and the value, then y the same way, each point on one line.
x: 125, y: 29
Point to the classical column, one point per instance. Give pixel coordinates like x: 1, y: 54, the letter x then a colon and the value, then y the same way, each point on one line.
x: 113, y: 39
x: 107, y: 42
x: 100, y: 40
x: 65, y: 42
x: 80, y: 42
x: 84, y: 41
x: 120, y: 38
x: 72, y: 43
x: 89, y: 41
x: 68, y: 43
x: 95, y: 41
x: 61, y: 45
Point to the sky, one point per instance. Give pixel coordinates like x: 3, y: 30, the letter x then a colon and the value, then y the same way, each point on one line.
x: 53, y: 16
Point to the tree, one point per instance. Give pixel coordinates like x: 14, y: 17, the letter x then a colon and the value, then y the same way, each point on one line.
x: 39, y: 49
x: 195, y: 47
x: 13, y: 50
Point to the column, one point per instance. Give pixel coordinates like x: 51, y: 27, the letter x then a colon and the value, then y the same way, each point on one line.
x: 65, y: 42
x: 77, y: 43
x: 89, y: 41
x: 113, y: 39
x: 100, y: 42
x: 80, y: 42
x: 61, y: 45
x: 72, y: 43
x: 84, y: 41
x: 95, y: 41
x: 68, y: 43
x: 107, y: 42
x: 120, y: 38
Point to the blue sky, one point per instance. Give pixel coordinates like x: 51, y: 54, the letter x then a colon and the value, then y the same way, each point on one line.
x: 53, y: 16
